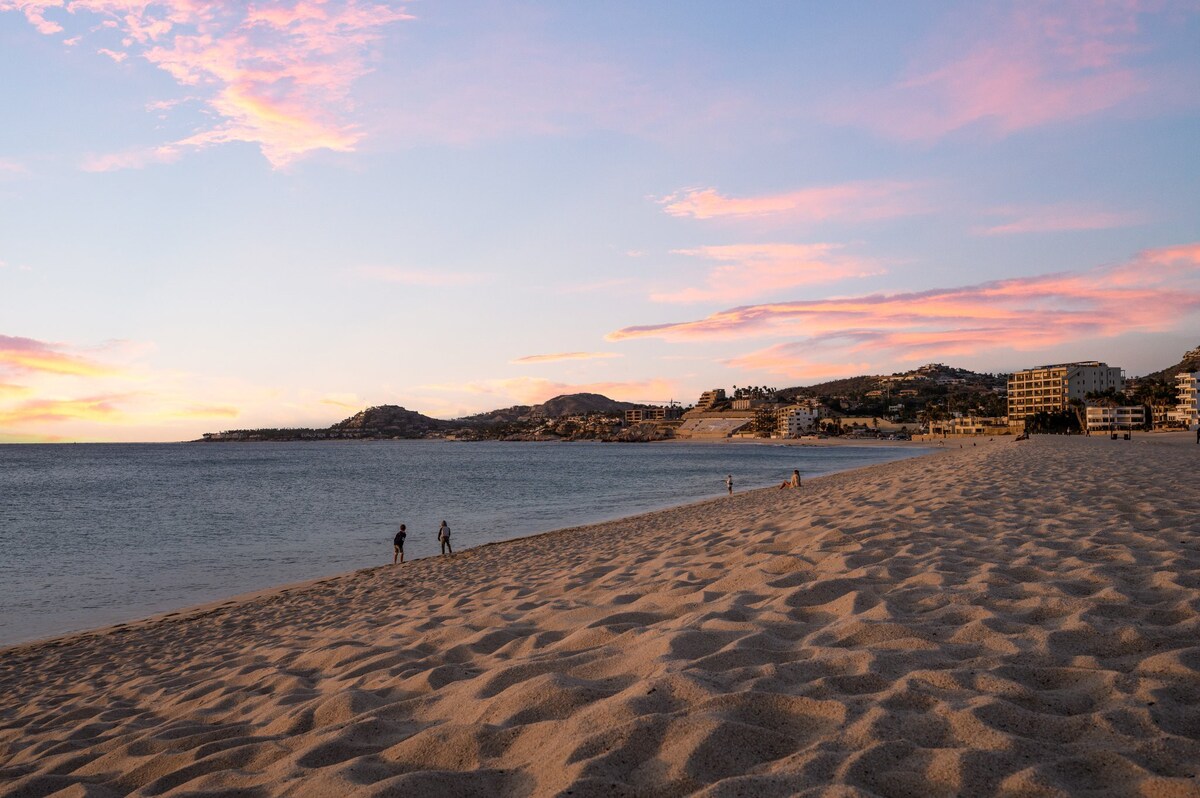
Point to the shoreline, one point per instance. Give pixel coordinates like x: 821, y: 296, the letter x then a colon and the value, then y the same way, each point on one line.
x: 231, y: 601
x: 1014, y: 619
x: 214, y: 599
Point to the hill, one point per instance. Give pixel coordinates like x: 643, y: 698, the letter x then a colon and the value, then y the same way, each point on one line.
x: 391, y: 421
x: 574, y: 404
x: 905, y: 394
x: 1189, y: 362
x: 934, y: 378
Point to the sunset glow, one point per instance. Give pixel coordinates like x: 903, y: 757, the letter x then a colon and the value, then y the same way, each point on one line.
x: 218, y: 215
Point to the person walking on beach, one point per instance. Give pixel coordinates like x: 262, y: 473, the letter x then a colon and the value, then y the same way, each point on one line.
x: 444, y: 538
x: 398, y: 545
x: 729, y: 483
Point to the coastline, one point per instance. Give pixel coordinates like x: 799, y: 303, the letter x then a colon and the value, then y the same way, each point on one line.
x: 1002, y: 619
x: 234, y: 600
x: 212, y: 564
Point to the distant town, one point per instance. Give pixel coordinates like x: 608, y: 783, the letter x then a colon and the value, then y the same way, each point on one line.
x: 933, y: 401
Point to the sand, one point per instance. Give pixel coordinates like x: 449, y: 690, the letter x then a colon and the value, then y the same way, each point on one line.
x: 1012, y: 619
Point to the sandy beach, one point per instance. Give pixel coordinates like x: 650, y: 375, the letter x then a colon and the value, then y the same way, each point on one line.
x: 1011, y: 619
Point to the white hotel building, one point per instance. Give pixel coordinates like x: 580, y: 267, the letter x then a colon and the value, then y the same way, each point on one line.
x: 1187, y: 387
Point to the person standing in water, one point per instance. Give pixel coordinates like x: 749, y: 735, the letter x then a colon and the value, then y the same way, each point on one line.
x: 444, y: 538
x: 398, y: 545
x: 729, y: 484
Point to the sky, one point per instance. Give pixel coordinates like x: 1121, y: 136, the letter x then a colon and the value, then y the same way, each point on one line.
x: 232, y: 215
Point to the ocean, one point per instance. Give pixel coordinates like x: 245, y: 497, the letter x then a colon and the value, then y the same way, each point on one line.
x: 96, y: 534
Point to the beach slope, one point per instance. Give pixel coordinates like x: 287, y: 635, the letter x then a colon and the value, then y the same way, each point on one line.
x: 1007, y: 619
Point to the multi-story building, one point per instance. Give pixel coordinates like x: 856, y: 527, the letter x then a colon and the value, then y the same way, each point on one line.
x: 710, y: 399
x: 639, y: 414
x: 795, y: 420
x: 1115, y: 418
x: 1050, y: 388
x: 973, y: 425
x: 1187, y: 387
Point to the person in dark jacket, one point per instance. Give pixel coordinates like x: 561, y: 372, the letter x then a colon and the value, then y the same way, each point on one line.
x: 398, y: 545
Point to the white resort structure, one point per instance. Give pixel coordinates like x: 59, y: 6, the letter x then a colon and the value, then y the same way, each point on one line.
x: 1187, y: 386
x: 795, y: 420
x: 1115, y: 419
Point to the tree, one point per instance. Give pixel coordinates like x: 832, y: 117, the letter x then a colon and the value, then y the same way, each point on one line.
x: 765, y: 422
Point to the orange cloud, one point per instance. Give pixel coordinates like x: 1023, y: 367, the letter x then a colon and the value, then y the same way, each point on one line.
x: 39, y: 411
x: 854, y: 201
x: 204, y: 411
x: 345, y: 401
x: 1156, y: 291
x: 275, y: 75
x: 552, y: 358
x: 1034, y: 68
x: 24, y: 355
x: 749, y: 270
x: 1058, y: 218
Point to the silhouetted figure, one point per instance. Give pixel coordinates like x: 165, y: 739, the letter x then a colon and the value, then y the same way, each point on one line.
x: 444, y: 538
x: 729, y: 483
x: 398, y: 545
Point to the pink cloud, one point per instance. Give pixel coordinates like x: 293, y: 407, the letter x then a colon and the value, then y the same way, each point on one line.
x: 748, y: 270
x: 559, y: 356
x: 35, y: 12
x: 1035, y: 67
x: 275, y: 75
x: 10, y: 168
x: 792, y: 360
x: 853, y: 201
x: 26, y: 355
x: 1058, y: 218
x: 113, y: 54
x: 1157, y: 291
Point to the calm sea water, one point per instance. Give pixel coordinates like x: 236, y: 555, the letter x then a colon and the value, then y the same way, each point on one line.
x: 99, y: 534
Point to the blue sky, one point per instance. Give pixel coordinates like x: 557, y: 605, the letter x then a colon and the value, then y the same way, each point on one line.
x: 228, y: 215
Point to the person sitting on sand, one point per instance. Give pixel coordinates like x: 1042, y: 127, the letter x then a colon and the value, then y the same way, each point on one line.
x: 398, y: 545
x: 444, y: 537
x: 794, y: 482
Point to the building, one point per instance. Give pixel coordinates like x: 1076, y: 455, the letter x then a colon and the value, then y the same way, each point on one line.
x: 795, y: 420
x: 747, y: 404
x: 1187, y: 386
x: 710, y: 399
x: 639, y: 414
x: 1115, y: 418
x: 1050, y: 389
x: 974, y: 425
